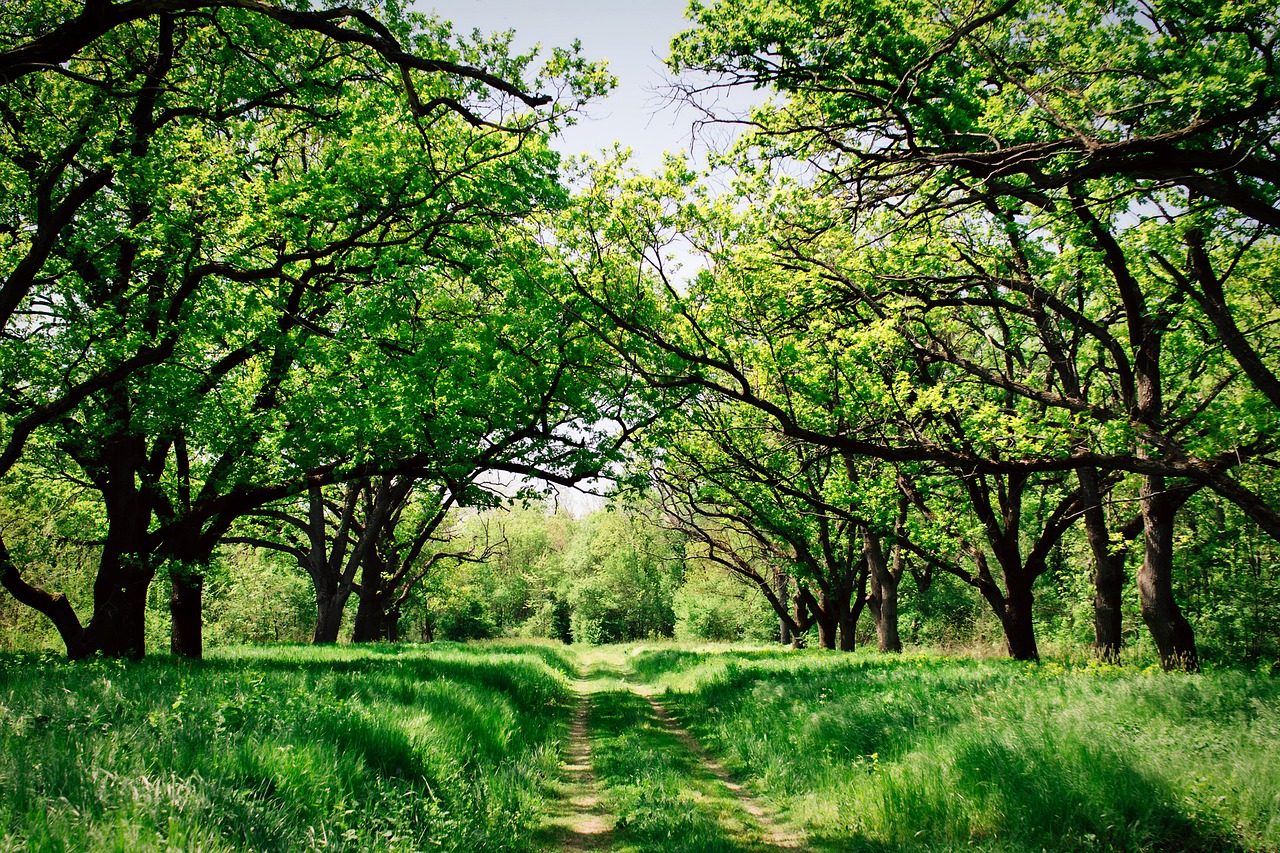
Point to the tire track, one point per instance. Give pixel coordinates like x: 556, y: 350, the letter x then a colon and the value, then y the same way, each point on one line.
x: 773, y: 834
x: 584, y: 824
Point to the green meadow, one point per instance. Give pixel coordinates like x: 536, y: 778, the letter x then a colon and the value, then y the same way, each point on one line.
x: 462, y: 747
x: 865, y: 752
x: 294, y: 748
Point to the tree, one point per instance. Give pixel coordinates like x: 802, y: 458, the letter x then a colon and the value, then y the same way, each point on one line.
x: 189, y: 225
x: 621, y: 573
x: 1132, y: 134
x: 789, y: 518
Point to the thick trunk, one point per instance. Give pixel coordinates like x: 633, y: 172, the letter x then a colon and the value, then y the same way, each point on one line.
x: 848, y: 630
x: 118, y: 627
x: 827, y: 610
x: 884, y: 595
x: 1174, y: 638
x: 186, y: 636
x: 1019, y: 627
x: 884, y: 613
x: 369, y: 623
x: 827, y: 625
x: 1108, y: 566
x: 329, y: 609
x: 373, y: 602
x: 829, y: 613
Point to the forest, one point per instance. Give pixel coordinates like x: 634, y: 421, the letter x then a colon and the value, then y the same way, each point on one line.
x: 961, y: 351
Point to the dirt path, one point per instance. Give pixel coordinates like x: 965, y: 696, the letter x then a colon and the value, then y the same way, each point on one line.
x: 583, y: 823
x: 772, y: 834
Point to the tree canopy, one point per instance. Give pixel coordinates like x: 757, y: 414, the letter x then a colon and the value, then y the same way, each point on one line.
x: 981, y: 291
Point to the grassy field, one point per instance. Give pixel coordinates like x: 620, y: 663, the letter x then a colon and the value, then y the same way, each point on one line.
x: 450, y: 747
x: 927, y: 753
x: 431, y: 748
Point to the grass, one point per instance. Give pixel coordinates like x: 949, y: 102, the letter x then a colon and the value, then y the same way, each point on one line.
x: 450, y: 747
x: 663, y: 799
x: 384, y: 748
x: 929, y: 753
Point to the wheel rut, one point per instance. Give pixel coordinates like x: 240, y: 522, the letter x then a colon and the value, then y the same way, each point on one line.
x: 772, y: 833
x: 583, y: 823
x: 584, y: 820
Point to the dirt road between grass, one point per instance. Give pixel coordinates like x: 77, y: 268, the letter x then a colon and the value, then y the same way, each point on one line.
x: 587, y: 820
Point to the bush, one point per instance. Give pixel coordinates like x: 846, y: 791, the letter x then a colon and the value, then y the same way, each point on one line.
x: 466, y: 618
x: 714, y: 605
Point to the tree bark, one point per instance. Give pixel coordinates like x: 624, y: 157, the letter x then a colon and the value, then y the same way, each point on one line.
x: 329, y: 608
x: 1173, y: 635
x: 799, y: 639
x: 186, y: 636
x: 828, y: 613
x: 848, y: 629
x: 827, y: 625
x: 1108, y: 577
x: 883, y: 601
x: 1019, y: 627
x: 118, y: 627
x: 853, y: 611
x: 371, y: 610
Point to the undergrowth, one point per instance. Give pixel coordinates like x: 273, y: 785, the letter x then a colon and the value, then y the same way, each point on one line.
x: 378, y: 748
x: 930, y: 753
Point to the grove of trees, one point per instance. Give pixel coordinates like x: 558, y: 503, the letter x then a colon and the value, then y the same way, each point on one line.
x: 973, y: 325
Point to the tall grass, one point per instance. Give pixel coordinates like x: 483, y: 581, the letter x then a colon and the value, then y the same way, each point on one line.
x: 383, y: 748
x: 929, y: 753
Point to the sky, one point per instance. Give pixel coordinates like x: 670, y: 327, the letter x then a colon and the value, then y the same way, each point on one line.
x: 632, y: 36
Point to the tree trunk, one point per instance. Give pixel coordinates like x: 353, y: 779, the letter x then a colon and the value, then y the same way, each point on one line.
x: 828, y: 615
x: 1173, y: 635
x: 827, y: 624
x: 1019, y: 627
x: 186, y: 637
x: 799, y: 639
x: 884, y: 595
x: 848, y: 630
x: 853, y: 610
x: 884, y: 613
x: 118, y: 627
x: 371, y: 610
x: 329, y: 607
x: 1108, y: 578
x: 784, y: 596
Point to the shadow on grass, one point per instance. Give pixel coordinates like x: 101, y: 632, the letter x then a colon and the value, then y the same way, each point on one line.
x: 1065, y: 795
x: 533, y: 686
x: 934, y: 755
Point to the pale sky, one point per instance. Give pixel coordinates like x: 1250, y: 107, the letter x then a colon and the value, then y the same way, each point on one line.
x: 632, y: 36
